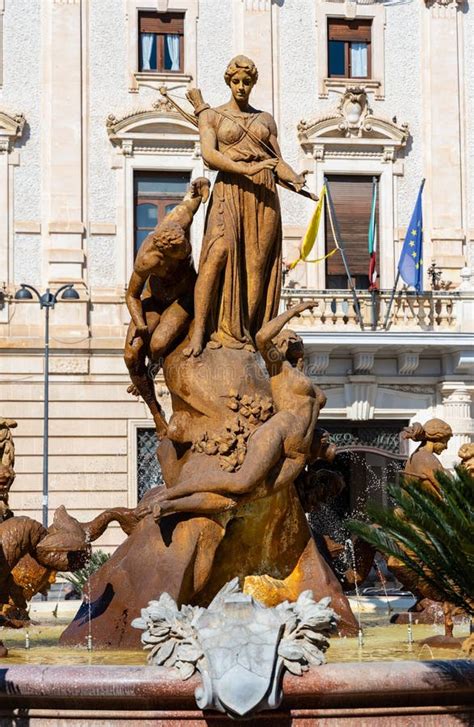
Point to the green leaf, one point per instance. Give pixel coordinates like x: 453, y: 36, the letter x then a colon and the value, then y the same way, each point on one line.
x: 435, y: 536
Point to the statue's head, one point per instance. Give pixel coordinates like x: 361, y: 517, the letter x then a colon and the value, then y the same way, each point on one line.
x: 66, y: 546
x: 171, y: 240
x: 241, y: 76
x: 466, y: 453
x: 290, y: 345
x: 435, y: 431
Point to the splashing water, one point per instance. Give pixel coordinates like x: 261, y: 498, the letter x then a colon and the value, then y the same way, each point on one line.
x: 88, y: 596
x: 55, y: 609
x: 410, y: 628
x: 350, y: 546
x: 430, y: 651
x: 382, y: 581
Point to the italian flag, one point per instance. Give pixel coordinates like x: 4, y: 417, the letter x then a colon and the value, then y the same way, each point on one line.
x: 372, y: 240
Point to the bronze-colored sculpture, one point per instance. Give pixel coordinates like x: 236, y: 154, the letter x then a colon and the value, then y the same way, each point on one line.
x: 242, y: 428
x: 286, y: 441
x: 30, y: 554
x: 433, y: 436
x: 239, y: 282
x: 160, y: 296
x: 7, y: 464
x: 466, y: 455
x: 422, y: 466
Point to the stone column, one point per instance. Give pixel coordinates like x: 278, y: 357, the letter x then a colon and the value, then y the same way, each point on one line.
x: 62, y: 188
x: 456, y: 410
x: 443, y: 110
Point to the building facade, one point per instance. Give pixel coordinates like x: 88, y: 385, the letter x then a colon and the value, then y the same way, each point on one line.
x: 92, y: 156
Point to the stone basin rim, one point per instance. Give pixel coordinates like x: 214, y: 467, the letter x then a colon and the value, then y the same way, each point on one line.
x: 341, y: 685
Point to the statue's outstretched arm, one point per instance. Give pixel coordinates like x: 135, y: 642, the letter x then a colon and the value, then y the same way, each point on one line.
x: 265, y: 336
x: 283, y: 170
x: 184, y: 212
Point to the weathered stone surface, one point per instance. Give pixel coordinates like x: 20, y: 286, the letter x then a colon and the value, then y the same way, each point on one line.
x: 239, y: 647
x: 391, y: 694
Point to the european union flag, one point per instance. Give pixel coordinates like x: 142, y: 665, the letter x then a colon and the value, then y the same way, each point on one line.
x: 410, y: 265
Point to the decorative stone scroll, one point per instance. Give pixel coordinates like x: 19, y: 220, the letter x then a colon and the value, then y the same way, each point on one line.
x: 239, y: 647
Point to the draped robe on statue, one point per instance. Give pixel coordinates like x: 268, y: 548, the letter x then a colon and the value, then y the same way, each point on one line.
x: 244, y: 217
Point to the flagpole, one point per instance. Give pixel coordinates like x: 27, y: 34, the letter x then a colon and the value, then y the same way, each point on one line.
x: 373, y: 295
x: 387, y: 315
x: 373, y: 291
x: 340, y: 245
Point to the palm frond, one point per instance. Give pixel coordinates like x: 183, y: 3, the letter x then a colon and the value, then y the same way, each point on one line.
x: 80, y: 577
x: 433, y: 537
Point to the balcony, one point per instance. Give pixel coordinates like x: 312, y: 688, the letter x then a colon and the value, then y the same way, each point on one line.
x: 431, y: 311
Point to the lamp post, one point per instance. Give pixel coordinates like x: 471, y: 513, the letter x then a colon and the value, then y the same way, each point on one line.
x: 47, y: 301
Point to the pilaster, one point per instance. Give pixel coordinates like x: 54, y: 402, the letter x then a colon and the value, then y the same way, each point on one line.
x: 255, y: 35
x: 62, y: 189
x: 456, y: 410
x: 443, y: 120
x: 11, y: 129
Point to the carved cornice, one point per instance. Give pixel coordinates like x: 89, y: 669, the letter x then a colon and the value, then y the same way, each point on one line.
x: 11, y: 129
x: 159, y: 109
x: 160, y: 125
x: 352, y: 119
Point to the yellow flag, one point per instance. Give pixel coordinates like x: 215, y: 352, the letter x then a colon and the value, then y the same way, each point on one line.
x: 312, y: 232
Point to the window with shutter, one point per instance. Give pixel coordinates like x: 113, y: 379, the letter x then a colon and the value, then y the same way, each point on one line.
x: 352, y: 198
x: 161, y: 46
x: 349, y: 48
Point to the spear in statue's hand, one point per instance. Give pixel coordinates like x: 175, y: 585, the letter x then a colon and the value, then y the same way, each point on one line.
x: 196, y: 100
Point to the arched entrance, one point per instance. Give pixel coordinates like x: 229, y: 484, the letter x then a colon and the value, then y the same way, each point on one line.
x: 370, y: 455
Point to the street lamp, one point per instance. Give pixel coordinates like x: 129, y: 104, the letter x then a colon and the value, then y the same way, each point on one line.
x: 46, y: 300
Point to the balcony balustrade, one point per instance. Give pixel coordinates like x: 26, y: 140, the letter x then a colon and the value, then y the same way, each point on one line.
x: 435, y: 311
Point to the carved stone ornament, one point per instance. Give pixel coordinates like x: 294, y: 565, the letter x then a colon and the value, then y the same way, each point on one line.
x: 239, y: 647
x: 352, y: 118
x: 11, y: 129
x: 151, y: 129
x: 445, y: 3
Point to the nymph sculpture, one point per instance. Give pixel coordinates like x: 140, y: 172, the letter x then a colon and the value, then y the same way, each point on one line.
x: 433, y: 436
x: 238, y: 287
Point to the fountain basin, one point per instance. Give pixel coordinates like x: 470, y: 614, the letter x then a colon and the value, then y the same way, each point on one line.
x: 376, y: 693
